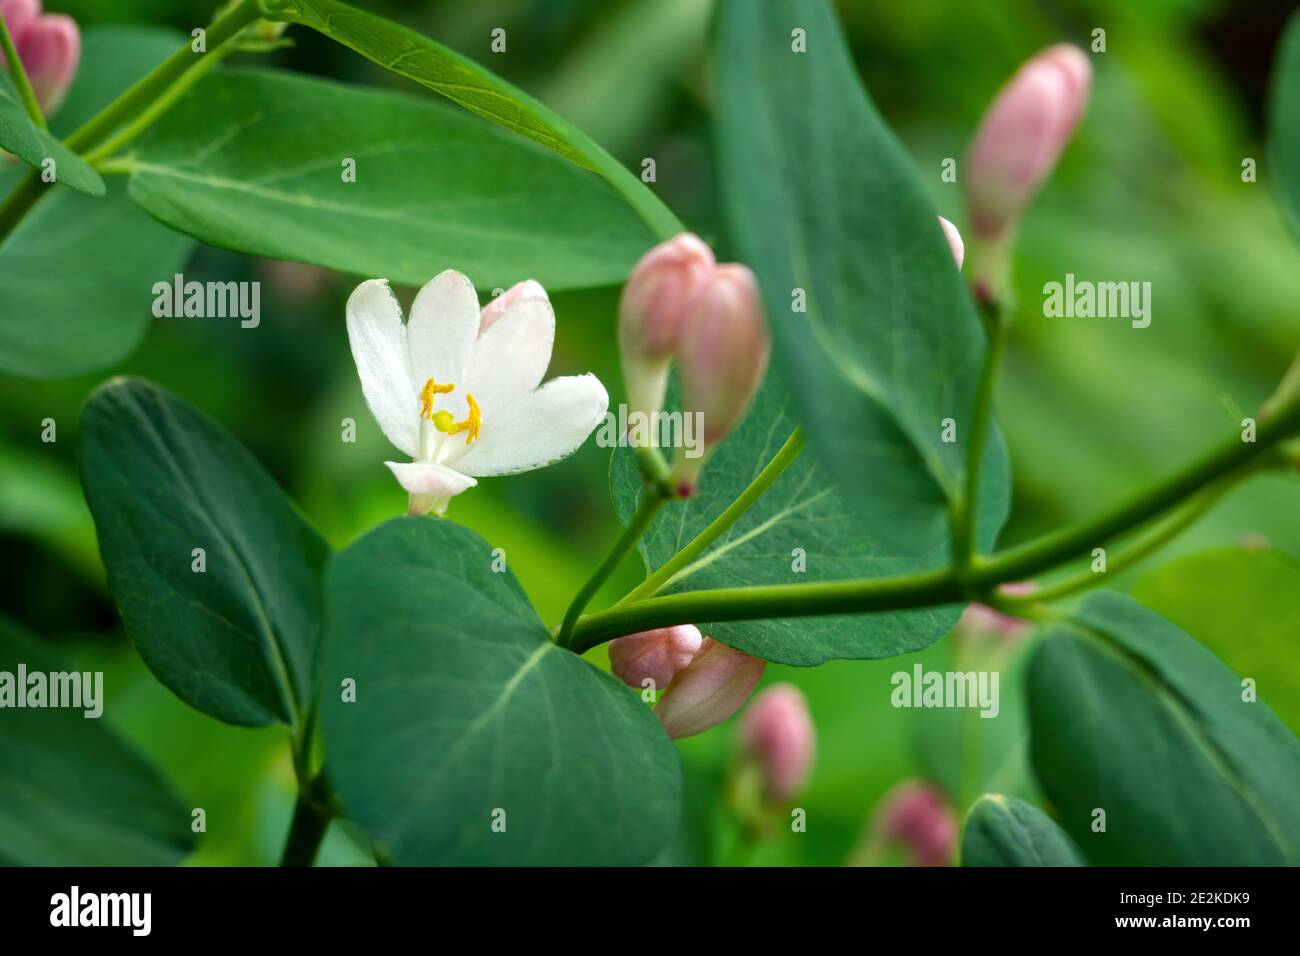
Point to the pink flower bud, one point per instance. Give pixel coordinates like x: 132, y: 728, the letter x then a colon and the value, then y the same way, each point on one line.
x: 50, y: 48
x: 18, y: 15
x: 710, y: 690
x: 1022, y: 134
x: 528, y: 289
x: 915, y: 814
x: 777, y: 731
x: 722, y: 358
x: 656, y: 655
x: 651, y: 311
x: 954, y: 241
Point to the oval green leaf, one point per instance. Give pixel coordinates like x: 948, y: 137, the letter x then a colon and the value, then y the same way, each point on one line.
x: 1005, y: 831
x: 74, y: 793
x: 1132, y: 717
x: 473, y: 739
x: 428, y: 187
x: 76, y: 276
x: 463, y: 81
x: 238, y: 638
x: 873, y: 326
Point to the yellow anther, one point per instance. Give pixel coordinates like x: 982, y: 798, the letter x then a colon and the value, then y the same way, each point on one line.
x: 475, y: 420
x: 443, y: 421
x: 431, y: 388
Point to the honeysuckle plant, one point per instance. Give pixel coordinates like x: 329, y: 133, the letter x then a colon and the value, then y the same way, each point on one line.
x: 847, y: 504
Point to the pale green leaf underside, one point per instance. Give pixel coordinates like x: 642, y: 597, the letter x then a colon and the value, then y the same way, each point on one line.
x: 255, y: 162
x: 464, y: 708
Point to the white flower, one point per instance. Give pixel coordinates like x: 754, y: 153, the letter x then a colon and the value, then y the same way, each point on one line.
x: 459, y: 391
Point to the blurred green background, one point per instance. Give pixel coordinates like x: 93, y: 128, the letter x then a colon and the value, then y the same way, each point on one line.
x: 1151, y: 189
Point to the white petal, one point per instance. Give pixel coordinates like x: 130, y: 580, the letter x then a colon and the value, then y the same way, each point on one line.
x: 510, y: 358
x: 539, y: 428
x: 379, y: 349
x: 441, y: 332
x: 430, y: 478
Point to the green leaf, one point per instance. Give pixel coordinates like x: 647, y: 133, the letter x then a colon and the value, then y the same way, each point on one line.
x: 434, y: 188
x: 76, y: 275
x: 463, y: 81
x: 74, y: 792
x: 820, y: 198
x: 465, y: 708
x: 1006, y: 831
x: 1244, y: 606
x: 1284, y: 125
x: 34, y: 145
x: 1130, y: 716
x: 237, y: 640
x: 803, y: 510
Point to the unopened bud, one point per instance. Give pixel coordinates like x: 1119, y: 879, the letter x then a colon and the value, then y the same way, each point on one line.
x: 777, y: 732
x: 657, y: 655
x: 915, y: 814
x: 1022, y: 135
x: 49, y: 46
x: 651, y: 311
x: 528, y: 289
x: 721, y: 360
x: 980, y: 621
x: 954, y: 241
x: 710, y: 690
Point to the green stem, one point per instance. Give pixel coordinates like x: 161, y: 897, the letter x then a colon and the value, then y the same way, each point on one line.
x: 938, y: 587
x: 1191, y: 511
x: 963, y: 515
x: 19, y: 73
x: 651, y: 501
x: 1034, y: 557
x: 767, y: 601
x: 19, y: 203
x: 152, y: 85
x: 311, y: 820
x: 764, y: 480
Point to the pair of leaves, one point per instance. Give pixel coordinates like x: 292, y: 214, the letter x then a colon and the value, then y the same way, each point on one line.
x: 801, y: 521
x: 73, y: 792
x: 1006, y: 831
x: 1132, y: 717
x: 76, y: 275
x: 257, y: 162
x: 463, y: 706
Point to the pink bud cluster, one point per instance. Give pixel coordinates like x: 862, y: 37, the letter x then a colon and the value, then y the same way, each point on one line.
x: 49, y: 46
x: 679, y: 303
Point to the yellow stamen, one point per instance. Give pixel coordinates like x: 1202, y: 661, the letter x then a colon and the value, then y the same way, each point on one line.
x: 431, y: 388
x: 443, y: 421
x: 475, y: 420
